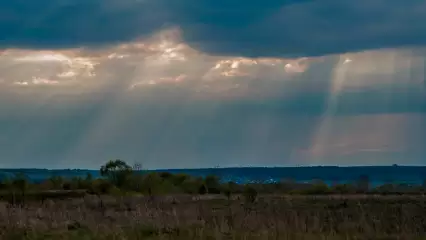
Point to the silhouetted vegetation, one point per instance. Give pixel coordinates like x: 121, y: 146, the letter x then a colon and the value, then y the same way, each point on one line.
x: 181, y: 206
x: 119, y: 179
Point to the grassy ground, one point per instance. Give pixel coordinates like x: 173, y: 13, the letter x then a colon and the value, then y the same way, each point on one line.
x: 188, y: 217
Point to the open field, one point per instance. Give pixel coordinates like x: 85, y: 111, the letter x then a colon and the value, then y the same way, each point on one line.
x: 215, y: 217
x: 129, y: 204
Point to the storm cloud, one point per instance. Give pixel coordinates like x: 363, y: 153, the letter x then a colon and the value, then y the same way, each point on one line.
x: 291, y: 28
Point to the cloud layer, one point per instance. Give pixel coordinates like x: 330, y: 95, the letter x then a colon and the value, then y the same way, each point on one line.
x: 167, y: 105
x: 237, y: 28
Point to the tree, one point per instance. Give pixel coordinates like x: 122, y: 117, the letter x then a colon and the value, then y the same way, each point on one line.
x: 136, y: 178
x: 56, y: 182
x: 21, y: 183
x: 250, y: 194
x: 228, y: 189
x: 212, y: 184
x: 117, y: 171
x: 8, y: 185
x: 137, y: 167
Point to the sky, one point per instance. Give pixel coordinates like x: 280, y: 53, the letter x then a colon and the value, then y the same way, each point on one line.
x: 203, y: 83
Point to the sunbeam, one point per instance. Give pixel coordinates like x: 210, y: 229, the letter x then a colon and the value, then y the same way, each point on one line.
x: 389, y: 79
x: 158, y: 93
x: 322, y: 136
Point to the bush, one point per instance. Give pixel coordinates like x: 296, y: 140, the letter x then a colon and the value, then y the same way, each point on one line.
x: 191, y: 186
x: 202, y: 189
x: 67, y: 186
x: 101, y: 186
x: 229, y: 188
x: 343, y: 189
x: 284, y: 185
x: 56, y: 182
x: 318, y: 187
x: 178, y: 179
x: 135, y: 183
x: 250, y: 194
x: 212, y: 184
x: 385, y: 189
x: 151, y: 183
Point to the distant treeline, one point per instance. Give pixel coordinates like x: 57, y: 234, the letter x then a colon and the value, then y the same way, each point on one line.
x: 377, y: 174
x: 118, y: 178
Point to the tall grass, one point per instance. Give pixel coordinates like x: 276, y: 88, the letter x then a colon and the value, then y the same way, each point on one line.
x: 183, y: 217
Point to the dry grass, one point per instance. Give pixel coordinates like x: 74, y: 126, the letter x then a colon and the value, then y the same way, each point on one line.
x: 183, y: 217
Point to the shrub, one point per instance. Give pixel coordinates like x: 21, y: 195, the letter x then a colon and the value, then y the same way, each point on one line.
x: 318, y: 187
x: 135, y: 183
x: 21, y: 183
x: 192, y: 186
x: 385, y: 189
x: 101, y: 186
x: 343, y: 189
x: 166, y: 175
x: 67, y: 186
x: 202, y: 189
x: 151, y: 183
x: 250, y: 194
x: 228, y: 189
x: 286, y: 185
x: 178, y: 179
x: 212, y: 184
x: 56, y: 182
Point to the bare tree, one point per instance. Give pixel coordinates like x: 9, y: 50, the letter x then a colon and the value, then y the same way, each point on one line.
x: 137, y: 167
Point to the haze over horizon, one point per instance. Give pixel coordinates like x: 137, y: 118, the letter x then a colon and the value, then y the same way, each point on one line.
x: 201, y: 83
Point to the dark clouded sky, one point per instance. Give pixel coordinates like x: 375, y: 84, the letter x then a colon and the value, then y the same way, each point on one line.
x: 202, y: 83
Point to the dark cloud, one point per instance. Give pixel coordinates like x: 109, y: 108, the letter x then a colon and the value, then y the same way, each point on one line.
x: 314, y: 28
x: 69, y: 23
x: 248, y: 28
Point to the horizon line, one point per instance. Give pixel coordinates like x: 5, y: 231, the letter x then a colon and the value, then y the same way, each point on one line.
x: 229, y: 167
